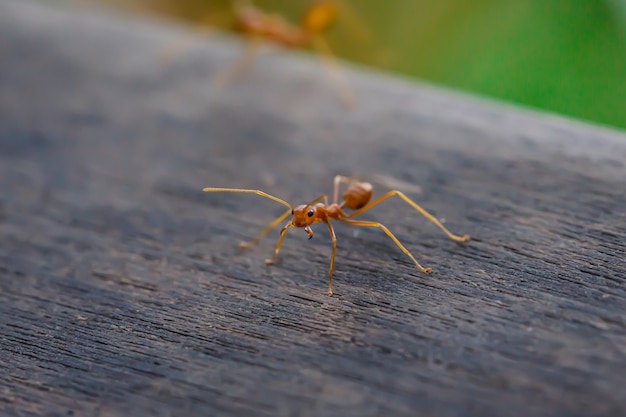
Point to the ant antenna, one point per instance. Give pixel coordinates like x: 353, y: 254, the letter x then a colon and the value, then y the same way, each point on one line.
x: 257, y: 192
x: 265, y: 231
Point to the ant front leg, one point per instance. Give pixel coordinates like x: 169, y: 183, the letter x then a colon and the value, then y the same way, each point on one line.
x: 278, y: 244
x: 266, y: 230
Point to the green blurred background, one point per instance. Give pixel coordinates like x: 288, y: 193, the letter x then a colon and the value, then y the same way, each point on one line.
x: 564, y: 56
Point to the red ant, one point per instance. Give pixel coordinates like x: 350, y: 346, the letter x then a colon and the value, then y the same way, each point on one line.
x: 356, y: 197
x: 259, y: 25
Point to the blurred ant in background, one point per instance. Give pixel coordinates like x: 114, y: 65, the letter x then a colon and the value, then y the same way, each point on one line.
x: 261, y: 27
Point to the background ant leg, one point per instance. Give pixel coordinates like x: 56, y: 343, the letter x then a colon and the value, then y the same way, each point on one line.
x: 278, y: 244
x: 332, y: 259
x: 423, y: 212
x: 243, y: 63
x: 388, y: 233
x: 332, y: 67
x: 175, y: 48
x: 265, y: 231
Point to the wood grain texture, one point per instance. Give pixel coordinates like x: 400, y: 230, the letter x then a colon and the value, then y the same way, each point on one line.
x: 122, y: 291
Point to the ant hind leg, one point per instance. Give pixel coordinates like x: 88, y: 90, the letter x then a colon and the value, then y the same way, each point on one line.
x: 388, y: 233
x: 340, y: 179
x: 423, y: 212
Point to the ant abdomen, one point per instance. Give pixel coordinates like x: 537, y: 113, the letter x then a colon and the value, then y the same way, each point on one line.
x: 357, y: 195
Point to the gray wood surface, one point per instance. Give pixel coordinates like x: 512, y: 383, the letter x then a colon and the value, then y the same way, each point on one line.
x: 123, y: 292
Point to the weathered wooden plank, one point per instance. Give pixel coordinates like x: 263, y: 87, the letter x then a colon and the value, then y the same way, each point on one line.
x: 122, y: 290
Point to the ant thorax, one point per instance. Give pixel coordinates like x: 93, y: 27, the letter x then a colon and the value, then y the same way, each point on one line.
x: 334, y: 211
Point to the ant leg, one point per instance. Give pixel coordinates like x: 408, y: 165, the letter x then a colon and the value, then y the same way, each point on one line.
x: 423, y: 212
x: 180, y: 46
x: 241, y: 65
x: 388, y: 233
x: 280, y: 242
x: 338, y: 180
x: 332, y: 67
x: 332, y: 259
x: 173, y: 50
x: 266, y: 230
x: 322, y: 197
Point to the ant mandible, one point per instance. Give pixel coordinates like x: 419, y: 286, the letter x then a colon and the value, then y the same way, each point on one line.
x: 356, y: 197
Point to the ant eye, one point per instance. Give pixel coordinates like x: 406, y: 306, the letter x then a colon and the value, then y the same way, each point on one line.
x: 292, y: 212
x: 310, y: 213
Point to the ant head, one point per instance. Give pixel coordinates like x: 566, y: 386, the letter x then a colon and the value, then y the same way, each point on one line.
x: 304, y: 216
